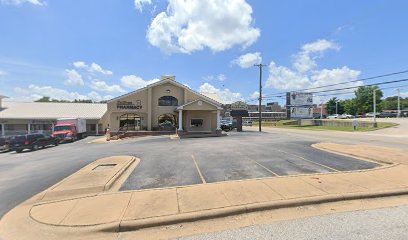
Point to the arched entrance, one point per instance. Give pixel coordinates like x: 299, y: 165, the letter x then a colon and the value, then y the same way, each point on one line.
x: 167, y: 122
x: 129, y: 122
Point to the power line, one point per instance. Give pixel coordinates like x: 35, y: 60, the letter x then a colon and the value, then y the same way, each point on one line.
x: 358, y: 80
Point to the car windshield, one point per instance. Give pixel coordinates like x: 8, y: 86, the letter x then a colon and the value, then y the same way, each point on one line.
x: 62, y: 128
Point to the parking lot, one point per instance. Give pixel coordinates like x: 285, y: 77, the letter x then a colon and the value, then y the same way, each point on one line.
x: 238, y: 156
x: 169, y: 162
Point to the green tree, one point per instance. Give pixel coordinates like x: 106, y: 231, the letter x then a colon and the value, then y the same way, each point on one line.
x: 331, y: 106
x: 364, y: 99
x: 350, y: 106
x: 43, y: 99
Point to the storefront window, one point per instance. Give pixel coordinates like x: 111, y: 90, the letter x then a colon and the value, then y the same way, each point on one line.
x: 196, y: 122
x: 168, y: 101
x: 129, y: 122
x: 167, y: 122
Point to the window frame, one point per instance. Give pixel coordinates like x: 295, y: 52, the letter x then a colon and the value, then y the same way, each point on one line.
x: 196, y: 125
x: 170, y: 101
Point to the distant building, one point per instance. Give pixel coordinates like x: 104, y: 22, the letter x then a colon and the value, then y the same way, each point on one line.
x: 320, y: 109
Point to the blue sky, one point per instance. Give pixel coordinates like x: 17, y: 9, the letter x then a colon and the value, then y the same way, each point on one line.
x: 99, y: 49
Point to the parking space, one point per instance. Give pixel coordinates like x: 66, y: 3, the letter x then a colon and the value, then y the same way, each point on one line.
x: 236, y: 157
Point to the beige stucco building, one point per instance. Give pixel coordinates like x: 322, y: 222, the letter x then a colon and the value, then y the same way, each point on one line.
x: 163, y: 106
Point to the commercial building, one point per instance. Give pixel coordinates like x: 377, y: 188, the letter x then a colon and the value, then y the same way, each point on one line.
x: 162, y: 106
x: 40, y: 117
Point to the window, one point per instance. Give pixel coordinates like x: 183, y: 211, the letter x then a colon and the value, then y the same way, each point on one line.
x: 167, y: 122
x: 129, y: 122
x: 168, y: 101
x: 196, y: 122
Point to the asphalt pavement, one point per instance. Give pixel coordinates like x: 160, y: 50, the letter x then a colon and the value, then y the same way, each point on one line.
x: 166, y: 162
x: 386, y: 223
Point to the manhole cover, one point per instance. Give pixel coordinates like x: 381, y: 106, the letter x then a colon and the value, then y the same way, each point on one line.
x: 104, y: 167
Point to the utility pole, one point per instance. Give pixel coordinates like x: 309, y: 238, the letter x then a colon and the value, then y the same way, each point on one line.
x: 260, y: 96
x: 375, y: 107
x: 398, y: 102
x: 321, y: 110
x: 336, y: 106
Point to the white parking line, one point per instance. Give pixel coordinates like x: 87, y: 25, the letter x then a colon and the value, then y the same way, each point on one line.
x: 304, y: 159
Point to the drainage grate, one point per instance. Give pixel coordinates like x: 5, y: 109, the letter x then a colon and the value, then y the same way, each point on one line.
x: 104, y: 167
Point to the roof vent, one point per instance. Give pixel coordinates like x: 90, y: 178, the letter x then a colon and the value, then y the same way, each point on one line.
x: 1, y: 98
x: 166, y: 77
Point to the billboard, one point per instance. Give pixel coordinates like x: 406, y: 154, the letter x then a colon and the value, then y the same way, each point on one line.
x: 301, y: 99
x: 299, y: 105
x: 301, y: 112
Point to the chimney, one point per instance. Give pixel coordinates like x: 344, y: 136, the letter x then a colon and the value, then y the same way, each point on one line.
x: 167, y: 77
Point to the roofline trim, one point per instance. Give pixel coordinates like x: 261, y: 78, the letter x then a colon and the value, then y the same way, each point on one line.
x: 160, y: 83
x: 198, y: 99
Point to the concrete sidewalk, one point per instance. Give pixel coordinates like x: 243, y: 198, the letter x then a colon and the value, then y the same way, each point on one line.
x: 139, y: 209
x: 82, y: 205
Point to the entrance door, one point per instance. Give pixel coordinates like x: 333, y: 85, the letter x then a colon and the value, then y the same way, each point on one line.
x: 129, y: 122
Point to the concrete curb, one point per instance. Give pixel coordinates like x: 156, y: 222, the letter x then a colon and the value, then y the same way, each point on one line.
x: 352, y: 155
x: 132, y: 225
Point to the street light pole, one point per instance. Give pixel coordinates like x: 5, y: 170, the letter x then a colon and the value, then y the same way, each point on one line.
x: 398, y: 102
x: 336, y: 106
x: 321, y: 110
x: 375, y: 107
x: 260, y: 96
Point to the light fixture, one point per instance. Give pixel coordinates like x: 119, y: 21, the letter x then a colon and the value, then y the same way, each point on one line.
x: 168, y: 91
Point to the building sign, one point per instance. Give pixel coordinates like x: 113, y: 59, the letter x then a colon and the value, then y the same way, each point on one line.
x: 239, y: 106
x: 301, y: 112
x: 299, y: 105
x: 301, y: 99
x: 129, y: 105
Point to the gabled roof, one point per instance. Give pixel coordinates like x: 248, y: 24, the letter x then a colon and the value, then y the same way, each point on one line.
x: 199, y: 99
x: 50, y: 110
x: 171, y: 82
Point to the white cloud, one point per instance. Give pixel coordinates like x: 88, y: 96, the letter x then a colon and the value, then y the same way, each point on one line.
x: 255, y: 95
x: 140, y: 3
x: 102, y: 86
x: 220, y: 77
x: 226, y: 95
x: 305, y: 60
x: 3, y: 73
x: 248, y: 60
x: 191, y: 25
x: 20, y: 2
x: 304, y: 72
x: 34, y: 92
x: 136, y: 82
x: 73, y: 78
x: 93, y: 68
x: 96, y: 97
x: 80, y: 65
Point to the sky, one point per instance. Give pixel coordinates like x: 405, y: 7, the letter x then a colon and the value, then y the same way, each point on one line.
x: 100, y: 49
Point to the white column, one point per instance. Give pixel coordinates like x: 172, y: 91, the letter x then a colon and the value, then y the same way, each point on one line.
x: 3, y: 131
x: 97, y: 129
x: 218, y: 120
x: 29, y: 128
x: 180, y: 120
x: 52, y: 127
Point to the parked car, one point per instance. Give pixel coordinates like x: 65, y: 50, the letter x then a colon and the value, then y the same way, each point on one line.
x: 31, y: 141
x: 226, y: 125
x: 387, y: 115
x: 4, y: 144
x: 346, y: 116
x: 334, y: 116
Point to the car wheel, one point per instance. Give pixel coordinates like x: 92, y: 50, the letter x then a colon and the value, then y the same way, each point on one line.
x: 19, y: 150
x: 35, y: 147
